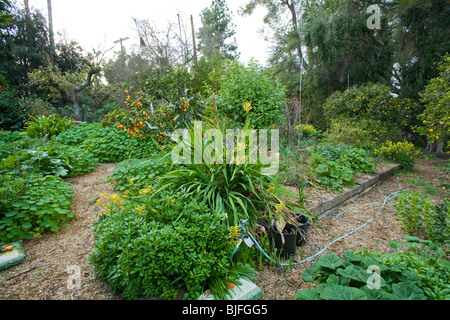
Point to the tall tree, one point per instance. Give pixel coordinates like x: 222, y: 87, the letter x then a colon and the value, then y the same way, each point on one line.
x: 23, y: 48
x: 422, y: 38
x: 342, y: 50
x: 51, y: 34
x: 284, y: 17
x: 4, y: 13
x: 216, y: 30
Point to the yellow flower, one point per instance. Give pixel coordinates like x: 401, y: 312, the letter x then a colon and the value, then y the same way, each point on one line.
x: 140, y: 209
x: 234, y: 234
x: 131, y: 180
x: 145, y: 190
x: 431, y: 130
x: 279, y: 207
x: 247, y: 106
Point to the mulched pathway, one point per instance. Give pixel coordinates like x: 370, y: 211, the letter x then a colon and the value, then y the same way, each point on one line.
x: 46, y: 273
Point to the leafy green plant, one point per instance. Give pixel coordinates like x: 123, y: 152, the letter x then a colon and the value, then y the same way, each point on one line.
x: 137, y: 174
x: 372, y: 108
x: 43, y: 126
x: 12, y: 142
x: 108, y: 144
x: 357, y: 159
x: 251, y: 83
x: 421, y: 213
x: 416, y: 274
x: 159, y: 245
x: 402, y: 153
x: 57, y: 159
x: 335, y: 175
x: 39, y: 203
x: 115, y: 118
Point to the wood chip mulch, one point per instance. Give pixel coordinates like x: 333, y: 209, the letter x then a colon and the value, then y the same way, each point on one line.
x: 46, y: 273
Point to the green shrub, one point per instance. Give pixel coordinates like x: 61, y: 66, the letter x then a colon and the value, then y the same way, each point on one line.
x: 374, y: 103
x: 402, y: 153
x: 108, y: 144
x: 50, y: 126
x: 57, y: 159
x: 12, y: 116
x: 160, y: 245
x: 254, y: 85
x: 336, y: 165
x: 12, y: 142
x: 32, y: 204
x: 76, y: 135
x: 417, y: 274
x: 115, y: 118
x: 307, y: 130
x: 136, y: 174
x: 421, y: 213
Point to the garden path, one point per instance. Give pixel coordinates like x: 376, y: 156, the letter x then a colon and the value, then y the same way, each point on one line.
x: 283, y: 283
x: 45, y: 274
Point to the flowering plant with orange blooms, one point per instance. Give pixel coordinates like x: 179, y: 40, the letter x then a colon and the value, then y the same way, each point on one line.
x: 151, y: 119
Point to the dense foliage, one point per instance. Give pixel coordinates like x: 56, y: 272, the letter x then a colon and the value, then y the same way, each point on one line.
x: 416, y: 274
x: 252, y: 84
x: 160, y: 246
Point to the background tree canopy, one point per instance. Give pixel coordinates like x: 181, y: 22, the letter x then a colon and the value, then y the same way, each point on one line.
x: 320, y: 51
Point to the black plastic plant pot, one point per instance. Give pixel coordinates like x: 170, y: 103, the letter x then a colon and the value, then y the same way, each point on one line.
x: 290, y: 239
x: 302, y: 230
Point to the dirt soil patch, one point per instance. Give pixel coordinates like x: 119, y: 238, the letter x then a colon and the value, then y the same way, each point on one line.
x: 45, y: 274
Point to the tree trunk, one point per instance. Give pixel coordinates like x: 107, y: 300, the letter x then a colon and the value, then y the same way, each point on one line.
x: 291, y: 6
x: 193, y: 42
x: 50, y: 24
x: 76, y: 107
x: 27, y: 8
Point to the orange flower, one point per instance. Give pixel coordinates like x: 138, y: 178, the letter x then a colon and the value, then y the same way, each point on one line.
x: 163, y: 147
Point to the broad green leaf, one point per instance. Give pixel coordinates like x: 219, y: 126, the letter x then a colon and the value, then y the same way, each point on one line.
x: 377, y: 294
x: 352, y: 272
x: 408, y: 276
x: 309, y: 274
x: 308, y: 294
x: 408, y: 291
x: 26, y: 225
x: 351, y: 256
x: 338, y: 292
x: 330, y: 261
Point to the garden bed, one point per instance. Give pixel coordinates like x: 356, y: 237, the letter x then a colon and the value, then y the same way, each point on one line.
x: 44, y: 274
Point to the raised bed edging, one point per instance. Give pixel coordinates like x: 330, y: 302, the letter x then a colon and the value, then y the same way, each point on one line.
x: 362, y: 186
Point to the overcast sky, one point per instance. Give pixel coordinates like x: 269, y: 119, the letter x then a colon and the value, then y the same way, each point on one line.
x: 98, y: 23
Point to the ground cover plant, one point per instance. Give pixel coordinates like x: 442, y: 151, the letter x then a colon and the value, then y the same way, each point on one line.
x: 421, y: 273
x: 108, y: 126
x: 162, y: 246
